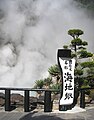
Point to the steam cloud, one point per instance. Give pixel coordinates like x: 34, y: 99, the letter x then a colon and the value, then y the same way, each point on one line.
x: 30, y: 33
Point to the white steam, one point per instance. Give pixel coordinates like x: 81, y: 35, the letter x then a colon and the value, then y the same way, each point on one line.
x: 30, y: 33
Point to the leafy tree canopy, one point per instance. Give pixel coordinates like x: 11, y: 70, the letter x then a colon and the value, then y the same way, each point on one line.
x: 75, y: 33
x: 87, y: 64
x: 54, y: 70
x: 48, y: 81
x: 39, y: 84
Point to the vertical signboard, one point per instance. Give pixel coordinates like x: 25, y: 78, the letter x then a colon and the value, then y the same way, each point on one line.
x: 66, y: 65
x: 68, y: 81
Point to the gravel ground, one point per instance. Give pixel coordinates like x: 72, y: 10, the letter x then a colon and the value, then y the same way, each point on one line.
x: 87, y: 114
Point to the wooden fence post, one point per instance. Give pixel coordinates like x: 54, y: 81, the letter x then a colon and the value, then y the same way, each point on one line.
x: 7, y: 100
x: 82, y: 99
x: 26, y: 101
x: 47, y: 102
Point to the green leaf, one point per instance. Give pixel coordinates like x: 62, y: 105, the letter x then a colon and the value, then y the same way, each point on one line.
x: 54, y: 70
x: 84, y: 43
x: 39, y: 84
x: 76, y: 41
x: 75, y: 32
x: 87, y: 64
x: 65, y: 46
x: 85, y: 54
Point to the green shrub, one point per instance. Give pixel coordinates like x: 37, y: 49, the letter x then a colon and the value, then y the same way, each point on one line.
x: 87, y: 92
x: 92, y: 94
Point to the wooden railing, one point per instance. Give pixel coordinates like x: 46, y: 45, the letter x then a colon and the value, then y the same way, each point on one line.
x: 82, y: 97
x: 47, y: 98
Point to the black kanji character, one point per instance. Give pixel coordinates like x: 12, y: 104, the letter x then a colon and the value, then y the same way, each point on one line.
x: 70, y: 65
x: 68, y: 77
x: 66, y: 62
x: 68, y: 87
x: 70, y: 61
x: 68, y: 96
x: 66, y: 67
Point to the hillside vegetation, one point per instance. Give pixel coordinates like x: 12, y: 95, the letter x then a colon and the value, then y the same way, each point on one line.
x: 88, y: 4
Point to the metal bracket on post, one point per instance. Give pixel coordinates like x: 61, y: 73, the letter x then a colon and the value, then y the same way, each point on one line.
x: 7, y: 100
x: 47, y: 102
x: 26, y: 101
x: 82, y: 99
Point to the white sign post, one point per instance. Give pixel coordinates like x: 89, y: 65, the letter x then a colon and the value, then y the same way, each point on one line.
x: 67, y: 66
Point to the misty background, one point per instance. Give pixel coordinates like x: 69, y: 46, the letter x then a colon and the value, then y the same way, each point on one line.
x: 31, y: 31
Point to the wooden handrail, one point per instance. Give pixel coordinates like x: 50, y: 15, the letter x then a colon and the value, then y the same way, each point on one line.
x: 29, y: 89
